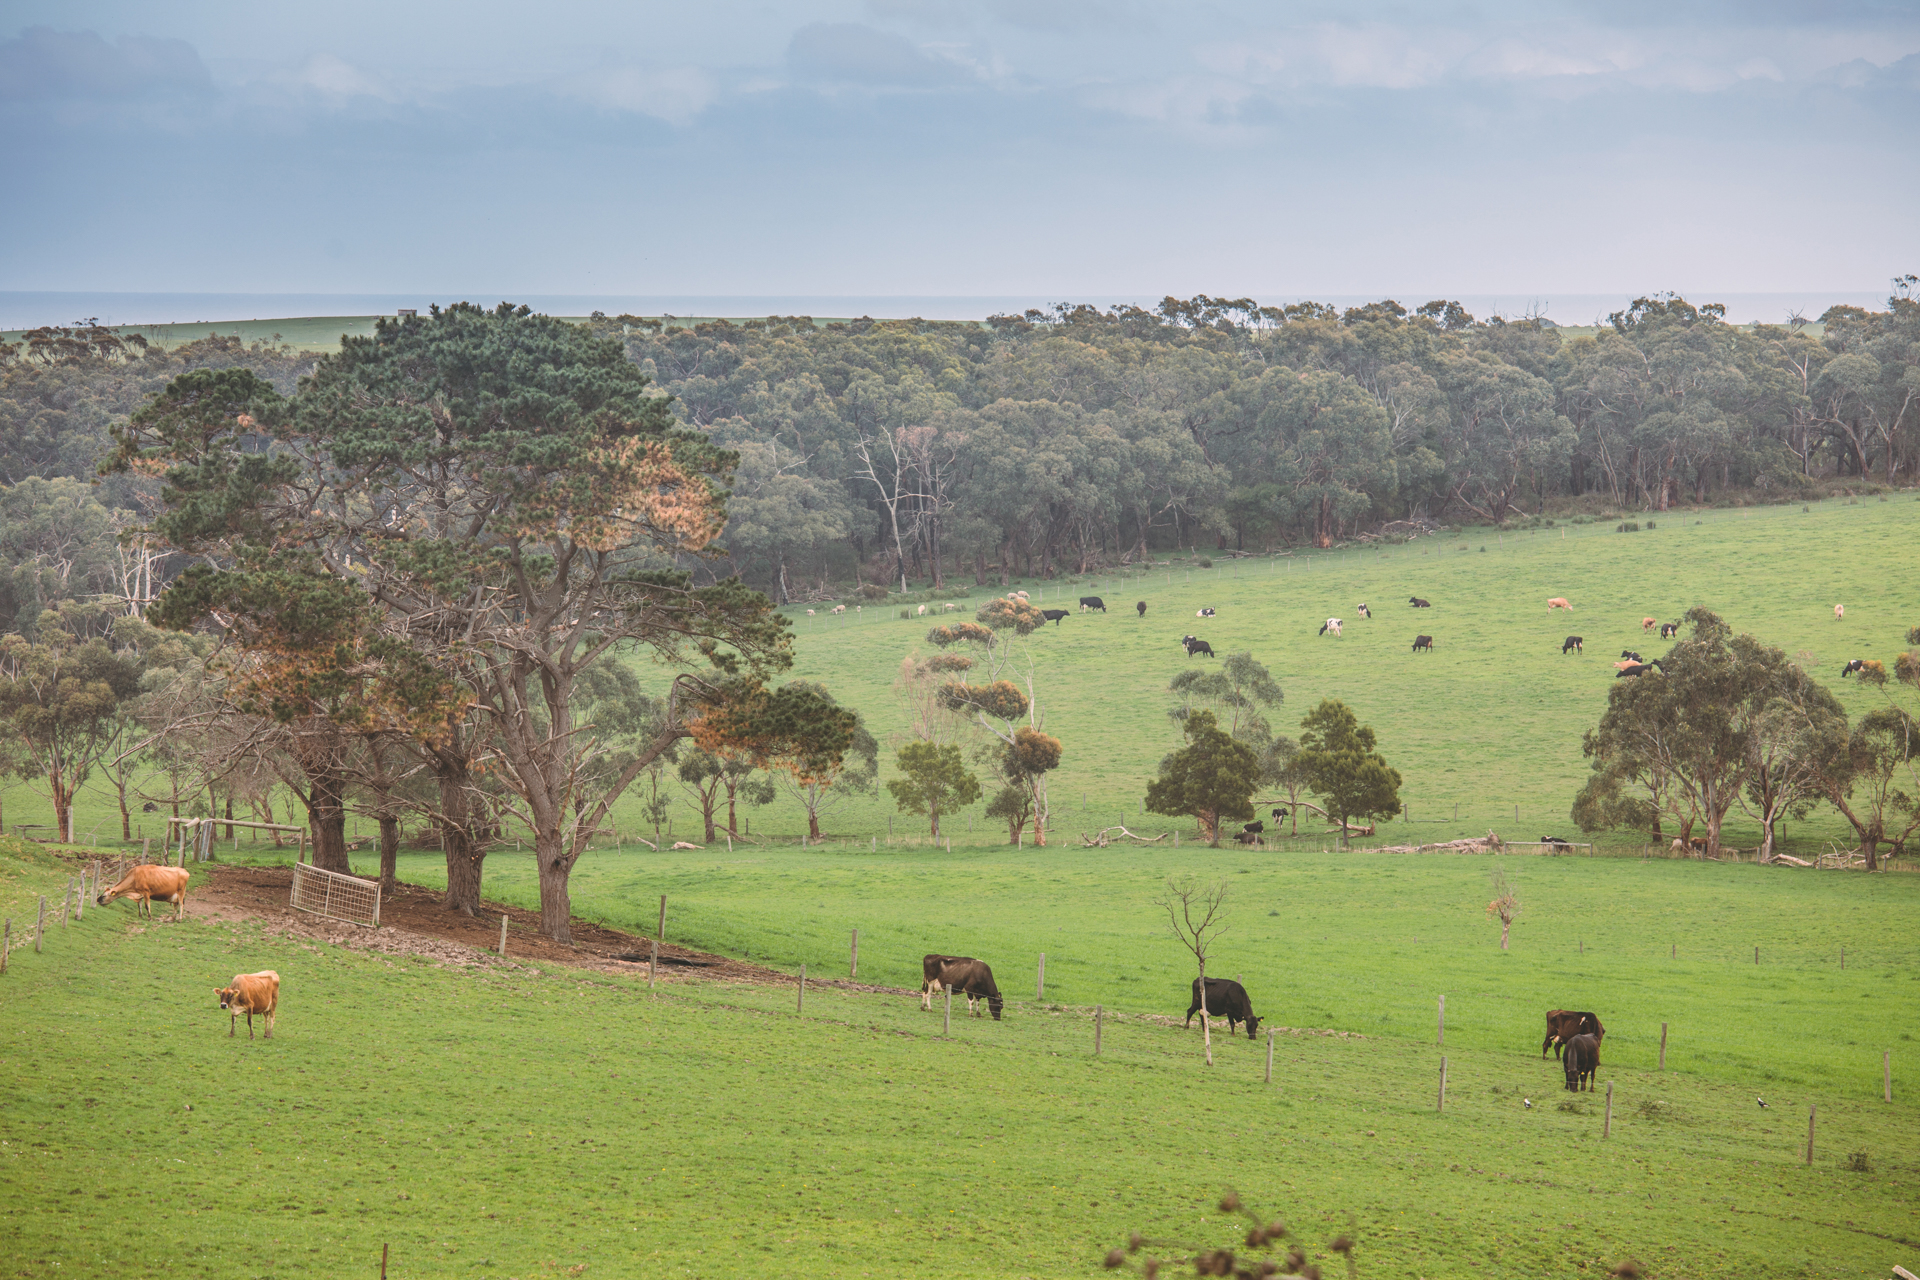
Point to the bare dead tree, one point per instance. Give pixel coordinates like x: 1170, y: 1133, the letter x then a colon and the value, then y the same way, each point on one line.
x: 1197, y: 915
x: 1505, y: 905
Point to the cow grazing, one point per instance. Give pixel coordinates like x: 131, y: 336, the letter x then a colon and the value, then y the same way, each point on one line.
x: 1630, y: 656
x: 1363, y: 610
x: 1668, y: 630
x: 1418, y: 603
x: 1093, y: 602
x: 1581, y: 1060
x: 144, y: 884
x: 1858, y: 664
x: 839, y: 608
x: 972, y: 979
x: 1572, y: 644
x: 1423, y: 642
x: 1559, y: 602
x: 1648, y: 624
x: 1564, y: 1024
x: 1331, y: 624
x: 1637, y: 668
x: 1196, y: 645
x: 921, y: 611
x: 1225, y: 999
x: 1203, y: 613
x: 1839, y: 612
x: 1053, y: 615
x: 1141, y: 605
x: 930, y: 977
x: 250, y: 993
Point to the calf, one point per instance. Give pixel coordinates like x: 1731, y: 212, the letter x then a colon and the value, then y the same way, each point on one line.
x: 250, y: 993
x: 1093, y: 602
x: 972, y: 979
x: 1053, y: 615
x: 1631, y: 656
x: 1280, y: 814
x: 1225, y: 999
x: 1195, y: 645
x: 1363, y: 611
x: 1331, y: 624
x: 1839, y: 612
x: 1555, y: 841
x: 1418, y: 603
x: 1141, y: 605
x: 1204, y: 613
x: 1648, y: 624
x: 1668, y: 630
x: 1858, y: 664
x: 1423, y: 642
x: 1564, y: 1024
x: 1559, y: 602
x: 1572, y: 645
x: 144, y: 884
x: 1582, y: 1058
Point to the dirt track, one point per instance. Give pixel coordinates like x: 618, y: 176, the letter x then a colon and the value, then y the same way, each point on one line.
x: 413, y: 922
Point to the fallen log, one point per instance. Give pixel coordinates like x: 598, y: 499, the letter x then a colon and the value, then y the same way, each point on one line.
x: 1489, y: 843
x: 1104, y: 837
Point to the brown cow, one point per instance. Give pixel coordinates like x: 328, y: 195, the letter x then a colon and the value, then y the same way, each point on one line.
x: 144, y: 884
x: 930, y: 966
x: 971, y: 978
x: 1583, y: 1057
x: 250, y: 993
x: 1564, y: 1024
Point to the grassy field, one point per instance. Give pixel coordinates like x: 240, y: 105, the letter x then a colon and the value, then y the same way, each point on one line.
x: 1485, y: 727
x: 515, y: 1122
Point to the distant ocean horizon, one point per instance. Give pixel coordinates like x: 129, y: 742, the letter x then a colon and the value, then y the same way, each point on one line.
x: 26, y: 310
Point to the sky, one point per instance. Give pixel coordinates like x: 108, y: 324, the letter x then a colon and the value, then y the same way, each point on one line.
x: 1056, y: 148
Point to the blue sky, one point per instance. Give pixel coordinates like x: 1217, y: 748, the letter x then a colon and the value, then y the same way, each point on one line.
x: 959, y: 147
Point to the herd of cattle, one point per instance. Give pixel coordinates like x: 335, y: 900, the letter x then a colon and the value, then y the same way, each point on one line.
x: 1574, y: 1036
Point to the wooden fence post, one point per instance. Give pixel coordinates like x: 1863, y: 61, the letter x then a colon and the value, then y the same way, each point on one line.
x: 946, y: 1019
x: 6, y: 944
x: 80, y: 906
x: 1886, y: 1071
x: 1606, y: 1128
x: 1097, y: 1012
x: 800, y: 1002
x: 1843, y: 958
x: 1269, y: 1055
x: 1442, y: 1041
x: 853, y: 959
x: 1442, y: 1104
x: 1663, y: 1046
x: 1040, y: 983
x: 1810, y: 1111
x: 503, y: 933
x: 40, y: 925
x: 1756, y: 955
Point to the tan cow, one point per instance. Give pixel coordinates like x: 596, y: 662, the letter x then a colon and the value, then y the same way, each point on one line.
x: 1559, y: 602
x: 144, y: 884
x: 250, y: 993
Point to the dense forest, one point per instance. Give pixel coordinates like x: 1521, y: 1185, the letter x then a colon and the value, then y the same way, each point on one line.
x: 902, y: 451
x: 896, y: 451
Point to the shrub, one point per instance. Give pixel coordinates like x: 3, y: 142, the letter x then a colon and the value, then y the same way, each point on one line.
x: 906, y: 613
x: 1627, y: 526
x: 1860, y: 1162
x: 1649, y: 524
x: 1204, y: 563
x: 872, y: 591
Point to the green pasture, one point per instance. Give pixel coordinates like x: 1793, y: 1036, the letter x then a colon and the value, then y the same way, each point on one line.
x: 520, y: 1122
x: 1487, y: 725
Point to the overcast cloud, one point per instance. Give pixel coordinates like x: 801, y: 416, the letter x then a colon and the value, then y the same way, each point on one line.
x: 1059, y: 147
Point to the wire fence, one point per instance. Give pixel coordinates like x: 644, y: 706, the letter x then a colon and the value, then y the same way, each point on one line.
x: 336, y: 896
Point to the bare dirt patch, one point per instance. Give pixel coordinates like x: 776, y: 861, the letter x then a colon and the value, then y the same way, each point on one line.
x: 413, y: 921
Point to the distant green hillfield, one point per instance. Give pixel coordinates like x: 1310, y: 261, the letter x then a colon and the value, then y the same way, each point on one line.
x: 1486, y: 726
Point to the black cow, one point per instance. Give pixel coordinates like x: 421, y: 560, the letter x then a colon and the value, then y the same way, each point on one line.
x: 1557, y: 843
x: 1668, y: 630
x: 1141, y: 605
x: 1628, y: 653
x: 1418, y: 603
x: 1247, y: 837
x: 1639, y: 669
x: 1053, y: 615
x: 1564, y: 1024
x: 971, y: 978
x: 1225, y: 999
x: 1093, y: 602
x: 1582, y: 1058
x: 1573, y: 645
x: 1280, y: 815
x: 1423, y: 642
x: 1195, y: 645
x: 149, y: 807
x: 1858, y: 664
